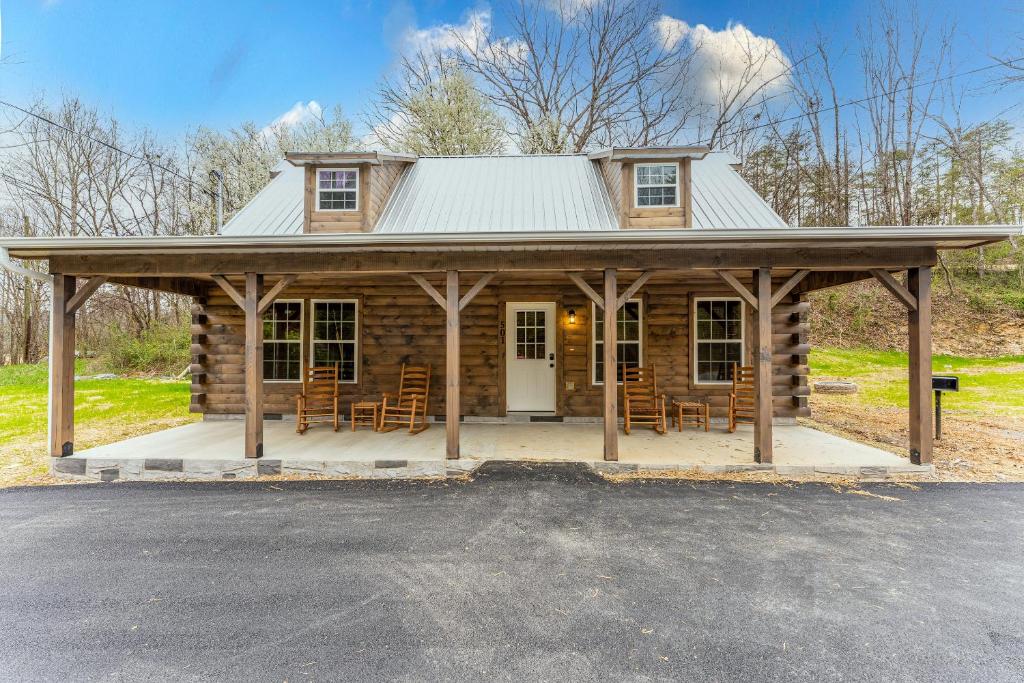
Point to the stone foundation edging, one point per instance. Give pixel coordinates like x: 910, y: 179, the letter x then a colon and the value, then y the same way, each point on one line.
x: 867, y: 472
x: 163, y: 469
x: 160, y: 469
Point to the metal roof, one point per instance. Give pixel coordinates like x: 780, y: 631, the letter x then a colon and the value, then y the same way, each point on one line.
x: 723, y: 199
x: 540, y: 193
x: 276, y: 209
x: 947, y: 236
x: 499, y: 194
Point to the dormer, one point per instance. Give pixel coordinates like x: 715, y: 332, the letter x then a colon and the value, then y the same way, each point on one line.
x: 650, y: 186
x: 347, y: 191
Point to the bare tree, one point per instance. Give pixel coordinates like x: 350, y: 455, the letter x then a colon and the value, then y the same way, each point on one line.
x: 574, y: 76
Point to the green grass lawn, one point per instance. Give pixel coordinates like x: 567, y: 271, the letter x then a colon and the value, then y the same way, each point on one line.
x: 987, y: 385
x: 105, y: 411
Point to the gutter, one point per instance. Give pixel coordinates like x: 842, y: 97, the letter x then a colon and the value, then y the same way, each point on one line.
x: 10, y: 266
x: 935, y: 236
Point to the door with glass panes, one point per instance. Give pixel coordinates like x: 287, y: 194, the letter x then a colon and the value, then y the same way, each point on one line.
x: 530, y: 356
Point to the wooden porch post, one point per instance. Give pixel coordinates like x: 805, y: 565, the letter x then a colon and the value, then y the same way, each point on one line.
x: 919, y: 282
x: 62, y: 368
x: 253, y: 367
x: 452, y: 401
x: 611, y: 352
x: 763, y: 367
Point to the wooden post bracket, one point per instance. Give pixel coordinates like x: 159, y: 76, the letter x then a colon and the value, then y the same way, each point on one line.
x: 429, y: 289
x: 82, y: 295
x: 468, y: 297
x: 749, y: 297
x: 587, y: 289
x: 230, y: 290
x: 275, y: 291
x: 621, y: 299
x: 894, y: 286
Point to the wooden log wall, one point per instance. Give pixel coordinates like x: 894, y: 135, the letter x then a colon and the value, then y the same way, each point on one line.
x: 400, y: 323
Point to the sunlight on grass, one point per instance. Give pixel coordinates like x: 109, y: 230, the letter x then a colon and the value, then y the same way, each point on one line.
x: 105, y: 411
x: 987, y: 385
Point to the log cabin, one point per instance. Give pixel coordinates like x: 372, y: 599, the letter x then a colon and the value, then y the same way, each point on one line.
x: 525, y: 282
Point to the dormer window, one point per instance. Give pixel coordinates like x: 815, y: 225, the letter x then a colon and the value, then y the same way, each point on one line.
x: 656, y: 185
x: 337, y: 189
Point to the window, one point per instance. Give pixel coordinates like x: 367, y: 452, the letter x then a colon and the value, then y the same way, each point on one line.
x: 282, y: 342
x: 656, y: 184
x: 630, y: 321
x: 718, y: 339
x: 337, y: 189
x: 531, y: 327
x: 334, y: 339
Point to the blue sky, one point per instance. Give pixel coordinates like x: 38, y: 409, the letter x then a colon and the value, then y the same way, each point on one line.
x: 175, y: 65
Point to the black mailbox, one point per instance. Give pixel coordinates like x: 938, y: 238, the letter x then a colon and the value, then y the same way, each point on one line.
x: 945, y: 383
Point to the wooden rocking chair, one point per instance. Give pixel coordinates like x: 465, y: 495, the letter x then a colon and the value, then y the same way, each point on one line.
x: 741, y: 398
x: 641, y: 402
x: 410, y: 405
x: 318, y: 401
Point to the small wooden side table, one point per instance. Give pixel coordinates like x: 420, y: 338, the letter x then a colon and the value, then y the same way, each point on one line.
x: 365, y: 413
x: 691, y: 412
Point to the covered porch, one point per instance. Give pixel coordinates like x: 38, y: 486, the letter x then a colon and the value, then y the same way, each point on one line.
x: 213, y: 450
x: 430, y: 293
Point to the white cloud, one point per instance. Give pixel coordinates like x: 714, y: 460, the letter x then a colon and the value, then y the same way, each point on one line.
x: 299, y: 113
x: 474, y: 32
x: 723, y: 58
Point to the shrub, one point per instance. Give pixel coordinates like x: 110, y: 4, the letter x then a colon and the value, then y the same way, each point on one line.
x: 163, y: 349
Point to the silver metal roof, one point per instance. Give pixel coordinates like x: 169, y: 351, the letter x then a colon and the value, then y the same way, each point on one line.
x: 276, y: 209
x: 499, y: 194
x: 723, y: 199
x: 541, y: 193
x: 943, y: 236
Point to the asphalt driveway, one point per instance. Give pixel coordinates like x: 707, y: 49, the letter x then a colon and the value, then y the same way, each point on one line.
x: 553, y: 575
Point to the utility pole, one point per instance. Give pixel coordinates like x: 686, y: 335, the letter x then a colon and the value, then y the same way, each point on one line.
x: 26, y: 349
x: 219, y: 178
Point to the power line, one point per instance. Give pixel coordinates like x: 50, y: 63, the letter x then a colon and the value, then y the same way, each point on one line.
x: 868, y: 98
x: 109, y: 146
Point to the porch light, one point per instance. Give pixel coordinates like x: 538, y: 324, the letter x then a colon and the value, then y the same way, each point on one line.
x: 572, y: 316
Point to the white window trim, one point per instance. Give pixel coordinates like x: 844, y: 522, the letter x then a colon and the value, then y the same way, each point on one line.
x: 742, y: 340
x: 300, y: 342
x: 636, y: 186
x: 358, y: 190
x: 312, y: 333
x: 594, y: 340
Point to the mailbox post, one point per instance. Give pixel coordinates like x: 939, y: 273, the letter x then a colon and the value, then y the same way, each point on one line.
x: 940, y: 384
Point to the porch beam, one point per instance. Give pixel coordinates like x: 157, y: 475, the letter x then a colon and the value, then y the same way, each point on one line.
x: 587, y: 289
x: 452, y: 403
x: 275, y: 291
x: 739, y: 288
x: 484, y: 280
x: 611, y: 352
x: 788, y: 286
x: 904, y: 295
x: 429, y: 289
x: 83, y: 294
x: 763, y: 368
x: 253, y: 366
x: 62, y: 368
x: 230, y: 290
x: 633, y: 288
x: 919, y: 318
x: 348, y: 260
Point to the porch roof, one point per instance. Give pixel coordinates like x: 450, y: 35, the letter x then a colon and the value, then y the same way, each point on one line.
x: 944, y: 237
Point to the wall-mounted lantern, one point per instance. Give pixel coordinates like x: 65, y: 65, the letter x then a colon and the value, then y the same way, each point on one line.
x: 572, y: 316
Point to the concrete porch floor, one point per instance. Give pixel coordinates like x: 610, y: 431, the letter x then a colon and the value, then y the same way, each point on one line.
x: 213, y: 449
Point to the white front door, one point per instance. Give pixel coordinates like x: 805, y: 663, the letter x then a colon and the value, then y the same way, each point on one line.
x: 530, y: 356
